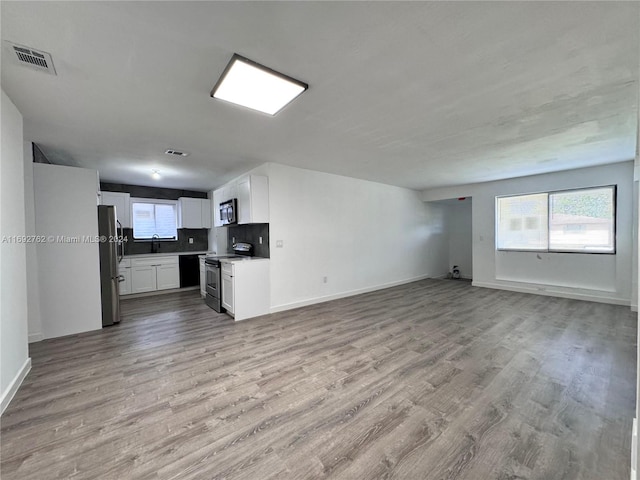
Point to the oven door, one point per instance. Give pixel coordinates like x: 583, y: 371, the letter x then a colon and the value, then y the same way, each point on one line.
x: 212, y: 279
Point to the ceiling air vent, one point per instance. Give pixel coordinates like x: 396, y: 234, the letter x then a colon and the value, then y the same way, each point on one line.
x: 35, y: 59
x: 176, y: 153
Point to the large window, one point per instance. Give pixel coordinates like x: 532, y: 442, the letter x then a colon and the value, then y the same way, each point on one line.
x: 569, y: 221
x: 154, y: 219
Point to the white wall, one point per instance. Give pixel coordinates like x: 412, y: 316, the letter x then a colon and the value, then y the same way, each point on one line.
x: 68, y: 273
x: 14, y: 355
x: 459, y: 222
x: 606, y: 278
x: 360, y: 235
x: 33, y: 288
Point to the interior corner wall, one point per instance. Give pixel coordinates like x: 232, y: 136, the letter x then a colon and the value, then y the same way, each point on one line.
x: 33, y: 287
x: 14, y: 354
x: 359, y: 235
x: 596, y: 277
x: 66, y: 208
x: 634, y: 263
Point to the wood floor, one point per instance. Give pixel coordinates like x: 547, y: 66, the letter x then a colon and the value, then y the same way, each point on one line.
x: 432, y: 380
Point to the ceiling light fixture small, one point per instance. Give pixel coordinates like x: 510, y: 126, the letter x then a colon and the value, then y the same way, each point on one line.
x: 247, y: 83
x: 155, y: 174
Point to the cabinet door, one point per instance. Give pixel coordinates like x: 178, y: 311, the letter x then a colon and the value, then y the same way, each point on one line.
x: 203, y: 279
x: 168, y: 276
x: 227, y: 293
x: 143, y: 279
x: 244, y: 201
x: 230, y: 191
x: 190, y: 212
x: 125, y: 284
x: 206, y: 213
x: 122, y: 202
x: 218, y: 198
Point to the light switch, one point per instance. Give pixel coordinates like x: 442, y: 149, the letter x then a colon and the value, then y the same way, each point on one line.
x: 279, y: 244
x: 190, y: 240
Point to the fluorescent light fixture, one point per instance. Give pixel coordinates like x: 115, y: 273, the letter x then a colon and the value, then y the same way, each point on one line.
x: 155, y: 174
x: 255, y: 86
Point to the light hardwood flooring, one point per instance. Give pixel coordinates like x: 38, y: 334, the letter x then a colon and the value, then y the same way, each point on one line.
x: 431, y: 380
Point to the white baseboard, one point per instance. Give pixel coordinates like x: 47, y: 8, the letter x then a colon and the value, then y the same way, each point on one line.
x: 589, y: 296
x: 13, y: 387
x: 350, y: 293
x: 35, y: 337
x: 634, y: 450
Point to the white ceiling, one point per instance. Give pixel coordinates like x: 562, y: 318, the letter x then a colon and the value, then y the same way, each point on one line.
x: 416, y: 94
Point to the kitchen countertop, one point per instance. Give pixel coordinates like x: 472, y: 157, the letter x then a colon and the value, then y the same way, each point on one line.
x: 170, y: 254
x: 241, y: 259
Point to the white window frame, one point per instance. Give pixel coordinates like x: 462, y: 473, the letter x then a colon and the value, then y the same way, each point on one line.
x: 155, y: 202
x: 549, y: 194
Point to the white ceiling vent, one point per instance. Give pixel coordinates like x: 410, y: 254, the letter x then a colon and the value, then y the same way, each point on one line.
x: 35, y: 59
x: 176, y: 153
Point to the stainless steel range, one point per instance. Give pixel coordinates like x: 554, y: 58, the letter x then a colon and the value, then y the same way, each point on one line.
x: 214, y: 278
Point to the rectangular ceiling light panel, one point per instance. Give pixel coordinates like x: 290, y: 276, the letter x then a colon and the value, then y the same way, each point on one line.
x: 255, y: 86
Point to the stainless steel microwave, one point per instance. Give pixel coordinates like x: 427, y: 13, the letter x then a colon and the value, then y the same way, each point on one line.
x: 228, y: 212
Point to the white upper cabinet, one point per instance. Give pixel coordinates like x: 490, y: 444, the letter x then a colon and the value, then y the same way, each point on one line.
x: 122, y: 202
x: 206, y: 213
x: 189, y: 212
x: 194, y: 212
x: 252, y: 193
x: 229, y: 191
x: 253, y: 199
x: 218, y: 198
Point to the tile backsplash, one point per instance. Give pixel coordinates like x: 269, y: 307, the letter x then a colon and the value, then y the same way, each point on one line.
x: 200, y: 242
x: 250, y: 233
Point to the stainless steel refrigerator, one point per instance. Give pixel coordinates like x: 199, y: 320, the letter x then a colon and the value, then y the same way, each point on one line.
x: 109, y: 278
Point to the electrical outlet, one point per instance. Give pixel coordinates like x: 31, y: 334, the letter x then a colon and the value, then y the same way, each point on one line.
x: 279, y: 244
x: 190, y: 240
x: 260, y: 240
x: 324, y: 279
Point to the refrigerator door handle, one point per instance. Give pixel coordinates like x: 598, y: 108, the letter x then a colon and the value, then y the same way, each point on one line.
x: 120, y: 242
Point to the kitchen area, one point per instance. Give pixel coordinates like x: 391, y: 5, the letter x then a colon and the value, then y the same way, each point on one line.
x: 158, y: 241
x: 220, y: 245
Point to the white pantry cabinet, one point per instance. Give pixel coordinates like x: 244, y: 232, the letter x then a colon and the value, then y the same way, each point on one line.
x: 245, y: 287
x: 194, y: 212
x: 154, y: 273
x: 253, y: 199
x: 122, y: 202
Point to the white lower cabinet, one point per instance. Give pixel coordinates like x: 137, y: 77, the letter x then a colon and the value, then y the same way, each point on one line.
x: 143, y: 279
x: 167, y: 276
x: 154, y: 273
x: 203, y: 279
x: 227, y: 293
x: 124, y: 270
x: 245, y: 287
